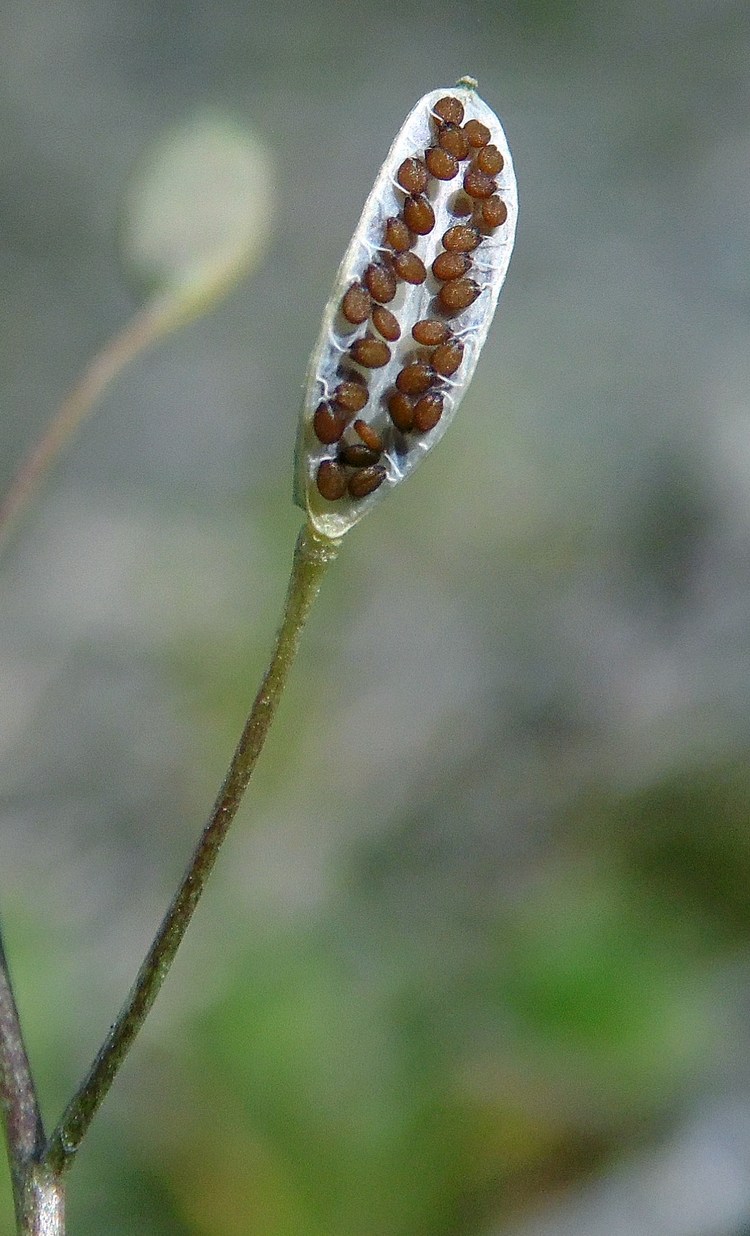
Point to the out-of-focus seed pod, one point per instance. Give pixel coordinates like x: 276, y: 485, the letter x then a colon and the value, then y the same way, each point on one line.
x: 433, y: 243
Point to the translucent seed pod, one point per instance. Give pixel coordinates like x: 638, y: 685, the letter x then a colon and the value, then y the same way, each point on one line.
x: 334, y: 492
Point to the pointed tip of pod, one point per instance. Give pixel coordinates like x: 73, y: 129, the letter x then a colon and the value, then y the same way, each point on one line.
x: 468, y: 83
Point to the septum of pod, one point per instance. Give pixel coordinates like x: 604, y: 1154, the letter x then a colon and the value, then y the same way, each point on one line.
x: 410, y: 309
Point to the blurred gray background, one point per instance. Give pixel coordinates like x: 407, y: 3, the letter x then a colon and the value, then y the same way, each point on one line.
x: 476, y: 959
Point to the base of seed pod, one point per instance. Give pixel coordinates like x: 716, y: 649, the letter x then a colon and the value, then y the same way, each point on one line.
x: 366, y: 481
x: 331, y: 480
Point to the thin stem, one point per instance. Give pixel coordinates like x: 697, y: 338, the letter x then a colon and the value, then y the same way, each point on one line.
x: 21, y: 1115
x: 38, y: 1194
x: 149, y: 324
x: 312, y: 555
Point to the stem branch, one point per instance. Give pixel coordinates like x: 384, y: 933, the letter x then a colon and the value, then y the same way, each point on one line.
x: 312, y: 555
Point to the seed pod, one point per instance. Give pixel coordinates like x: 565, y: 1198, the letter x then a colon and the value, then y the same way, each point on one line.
x: 408, y: 401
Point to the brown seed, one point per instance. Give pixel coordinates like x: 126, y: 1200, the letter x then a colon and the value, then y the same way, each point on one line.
x: 329, y: 423
x: 494, y: 212
x: 427, y: 412
x: 415, y: 379
x: 386, y: 323
x: 462, y: 205
x: 369, y: 436
x: 356, y: 305
x: 478, y: 185
x: 454, y: 140
x: 448, y: 110
x: 397, y: 234
x: 458, y: 295
x: 429, y: 332
x: 477, y: 133
x: 351, y: 396
x: 489, y: 160
x: 366, y: 481
x: 461, y: 238
x: 419, y: 215
x: 446, y: 359
x: 357, y: 455
x: 440, y: 163
x: 409, y: 267
x: 380, y: 282
x: 450, y: 265
x: 401, y: 411
x: 412, y: 176
x: 331, y: 480
x: 371, y: 353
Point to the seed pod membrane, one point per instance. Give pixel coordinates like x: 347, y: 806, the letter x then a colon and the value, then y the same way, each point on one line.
x: 336, y: 493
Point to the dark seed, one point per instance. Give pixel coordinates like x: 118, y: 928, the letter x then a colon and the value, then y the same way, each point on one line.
x: 412, y: 176
x: 463, y: 205
x: 386, y: 323
x: 446, y: 359
x: 454, y: 140
x: 397, y: 235
x: 409, y: 267
x: 357, y: 455
x: 356, y: 305
x: 478, y: 185
x: 449, y: 110
x: 489, y: 160
x: 351, y: 396
x: 369, y: 436
x: 440, y: 163
x: 329, y: 423
x: 477, y: 133
x: 415, y: 379
x: 427, y: 412
x: 331, y: 480
x: 494, y: 212
x: 366, y: 481
x: 429, y: 332
x: 458, y: 294
x: 380, y: 282
x: 450, y: 265
x: 371, y: 353
x: 461, y: 238
x: 401, y: 411
x: 419, y: 215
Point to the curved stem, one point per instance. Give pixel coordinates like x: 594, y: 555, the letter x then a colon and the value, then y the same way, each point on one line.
x: 312, y: 555
x: 149, y: 324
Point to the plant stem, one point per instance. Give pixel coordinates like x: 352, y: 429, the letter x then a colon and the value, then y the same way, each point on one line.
x: 312, y: 555
x: 38, y: 1195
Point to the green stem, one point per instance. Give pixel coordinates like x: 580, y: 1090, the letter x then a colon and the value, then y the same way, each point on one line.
x: 313, y: 554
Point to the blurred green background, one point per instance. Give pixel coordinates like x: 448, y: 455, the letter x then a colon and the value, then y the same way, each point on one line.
x: 476, y: 960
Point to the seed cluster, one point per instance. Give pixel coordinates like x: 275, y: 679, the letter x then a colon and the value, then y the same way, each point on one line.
x: 389, y: 369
